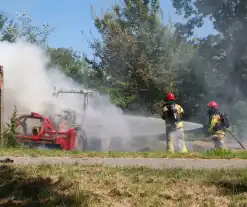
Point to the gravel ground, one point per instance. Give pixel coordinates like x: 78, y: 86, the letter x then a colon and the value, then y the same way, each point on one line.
x: 153, y: 163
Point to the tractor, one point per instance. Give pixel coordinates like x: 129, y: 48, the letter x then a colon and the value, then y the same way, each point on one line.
x: 59, y: 131
x: 94, y: 143
x: 68, y: 116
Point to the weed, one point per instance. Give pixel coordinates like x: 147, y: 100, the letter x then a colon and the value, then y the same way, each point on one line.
x: 8, y: 134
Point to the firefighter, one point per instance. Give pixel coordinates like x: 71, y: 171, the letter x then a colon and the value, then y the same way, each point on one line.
x: 215, y: 126
x: 172, y: 114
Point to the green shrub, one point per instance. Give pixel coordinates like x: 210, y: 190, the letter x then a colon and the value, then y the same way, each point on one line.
x: 8, y: 134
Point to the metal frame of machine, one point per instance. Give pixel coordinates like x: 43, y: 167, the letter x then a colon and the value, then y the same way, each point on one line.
x: 82, y: 92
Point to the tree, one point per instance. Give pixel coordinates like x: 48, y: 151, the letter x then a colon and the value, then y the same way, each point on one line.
x: 69, y: 62
x: 229, y: 52
x: 138, y: 53
x: 73, y: 65
x: 22, y: 27
x: 224, y: 55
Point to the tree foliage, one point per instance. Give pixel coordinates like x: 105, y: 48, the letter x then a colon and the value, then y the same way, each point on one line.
x: 22, y: 27
x: 139, y: 54
x: 69, y: 62
x: 224, y: 54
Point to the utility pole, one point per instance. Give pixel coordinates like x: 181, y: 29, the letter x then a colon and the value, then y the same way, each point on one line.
x: 1, y: 101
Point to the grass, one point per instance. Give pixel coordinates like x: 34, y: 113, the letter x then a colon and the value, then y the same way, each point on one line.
x: 210, y: 154
x: 96, y: 186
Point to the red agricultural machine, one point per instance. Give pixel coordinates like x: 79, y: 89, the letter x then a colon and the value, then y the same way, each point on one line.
x: 34, y: 129
x: 61, y: 132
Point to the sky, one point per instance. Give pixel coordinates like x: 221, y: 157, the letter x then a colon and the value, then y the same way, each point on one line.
x: 69, y: 18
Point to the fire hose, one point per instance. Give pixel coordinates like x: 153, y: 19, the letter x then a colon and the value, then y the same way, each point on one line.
x: 235, y: 138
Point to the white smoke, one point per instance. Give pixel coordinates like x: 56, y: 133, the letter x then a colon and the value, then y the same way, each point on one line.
x: 29, y: 85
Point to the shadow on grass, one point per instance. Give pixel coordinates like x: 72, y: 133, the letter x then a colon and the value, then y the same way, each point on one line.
x: 229, y: 187
x: 19, y: 189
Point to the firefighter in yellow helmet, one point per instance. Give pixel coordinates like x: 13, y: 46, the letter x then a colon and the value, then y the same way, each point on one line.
x: 172, y: 114
x: 217, y: 124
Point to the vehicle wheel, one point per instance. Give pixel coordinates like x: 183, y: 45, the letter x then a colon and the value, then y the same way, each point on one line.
x: 80, y: 140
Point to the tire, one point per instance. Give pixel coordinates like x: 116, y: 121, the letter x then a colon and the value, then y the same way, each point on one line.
x: 80, y: 140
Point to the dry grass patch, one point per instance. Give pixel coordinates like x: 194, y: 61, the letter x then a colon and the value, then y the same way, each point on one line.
x: 97, y: 186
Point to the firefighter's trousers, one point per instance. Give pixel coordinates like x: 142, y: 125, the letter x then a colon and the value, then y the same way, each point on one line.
x: 172, y: 133
x: 218, y: 140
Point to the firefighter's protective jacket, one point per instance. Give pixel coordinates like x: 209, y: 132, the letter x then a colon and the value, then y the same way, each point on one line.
x: 214, y: 126
x: 169, y: 120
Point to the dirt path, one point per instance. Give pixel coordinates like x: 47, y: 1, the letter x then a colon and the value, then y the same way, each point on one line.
x: 154, y: 162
